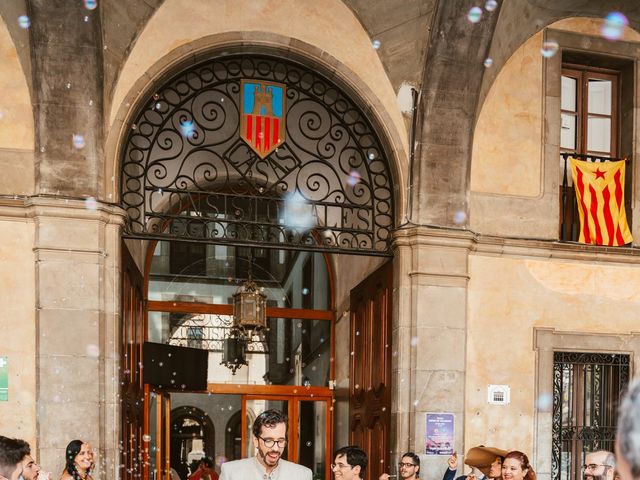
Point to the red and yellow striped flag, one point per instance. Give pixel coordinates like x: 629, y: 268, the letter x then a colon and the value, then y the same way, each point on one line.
x: 600, y: 193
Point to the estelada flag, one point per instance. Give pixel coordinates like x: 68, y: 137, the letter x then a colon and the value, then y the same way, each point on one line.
x: 600, y: 194
x: 262, y: 115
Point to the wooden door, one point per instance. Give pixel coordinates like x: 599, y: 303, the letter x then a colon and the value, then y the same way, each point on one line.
x: 131, y: 386
x: 370, y: 368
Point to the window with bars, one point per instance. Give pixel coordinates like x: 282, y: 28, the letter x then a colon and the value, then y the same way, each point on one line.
x: 589, y: 129
x: 587, y: 388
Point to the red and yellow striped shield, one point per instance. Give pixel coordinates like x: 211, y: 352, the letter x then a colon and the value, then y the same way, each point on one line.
x: 600, y: 194
x: 262, y: 115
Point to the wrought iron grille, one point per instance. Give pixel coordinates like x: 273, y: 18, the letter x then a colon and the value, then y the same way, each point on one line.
x: 587, y: 388
x: 188, y: 175
x: 207, y: 332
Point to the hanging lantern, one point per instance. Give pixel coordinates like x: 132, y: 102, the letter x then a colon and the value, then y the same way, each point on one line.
x: 249, y: 309
x: 234, y: 352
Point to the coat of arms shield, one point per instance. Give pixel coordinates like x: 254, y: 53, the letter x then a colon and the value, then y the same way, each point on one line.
x: 262, y: 118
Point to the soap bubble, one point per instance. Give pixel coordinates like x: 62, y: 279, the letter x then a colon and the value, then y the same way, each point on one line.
x: 91, y: 204
x: 93, y: 350
x: 308, y: 444
x: 78, y: 141
x: 24, y: 21
x: 372, y: 156
x: 491, y: 5
x: 614, y: 25
x: 376, y: 44
x: 90, y: 4
x: 459, y: 217
x: 298, y: 212
x: 545, y: 402
x: 549, y: 49
x: 474, y: 15
x: 354, y: 178
x: 305, y: 291
x: 187, y: 128
x: 146, y: 438
x: 488, y: 62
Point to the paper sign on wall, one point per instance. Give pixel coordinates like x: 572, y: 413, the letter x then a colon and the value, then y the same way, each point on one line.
x: 4, y: 379
x: 439, y: 438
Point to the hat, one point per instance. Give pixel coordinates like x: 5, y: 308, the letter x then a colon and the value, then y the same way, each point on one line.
x: 482, y: 457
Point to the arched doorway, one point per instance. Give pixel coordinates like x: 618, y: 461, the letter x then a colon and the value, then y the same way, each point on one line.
x: 217, y: 205
x: 192, y: 437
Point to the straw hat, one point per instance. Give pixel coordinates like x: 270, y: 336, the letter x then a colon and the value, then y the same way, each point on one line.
x: 482, y: 457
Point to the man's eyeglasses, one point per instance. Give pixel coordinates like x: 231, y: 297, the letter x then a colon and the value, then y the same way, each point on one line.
x: 270, y: 442
x: 594, y: 466
x: 340, y: 466
x: 401, y: 464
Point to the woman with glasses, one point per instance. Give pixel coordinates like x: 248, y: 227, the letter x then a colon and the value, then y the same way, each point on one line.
x: 408, y: 468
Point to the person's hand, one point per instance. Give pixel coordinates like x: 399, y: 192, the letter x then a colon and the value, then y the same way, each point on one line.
x: 44, y: 475
x: 472, y: 476
x: 384, y: 476
x: 453, y: 461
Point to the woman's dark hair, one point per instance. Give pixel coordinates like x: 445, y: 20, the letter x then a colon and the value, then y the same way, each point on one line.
x: 415, y: 458
x: 207, y: 462
x: 73, y: 449
x: 524, y: 463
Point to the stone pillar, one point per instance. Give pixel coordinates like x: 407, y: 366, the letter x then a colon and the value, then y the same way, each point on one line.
x: 450, y: 88
x: 66, y: 42
x: 429, y: 336
x: 77, y: 277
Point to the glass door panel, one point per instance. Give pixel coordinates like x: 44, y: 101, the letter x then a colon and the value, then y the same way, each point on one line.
x: 312, y: 436
x: 155, y: 438
x: 151, y: 436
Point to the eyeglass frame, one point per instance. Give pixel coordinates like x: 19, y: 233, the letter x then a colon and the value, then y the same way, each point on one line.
x: 407, y: 464
x: 270, y: 442
x: 340, y: 465
x: 593, y: 466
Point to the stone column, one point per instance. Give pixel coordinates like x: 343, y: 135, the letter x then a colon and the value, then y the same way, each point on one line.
x: 77, y: 258
x: 429, y: 336
x: 66, y: 41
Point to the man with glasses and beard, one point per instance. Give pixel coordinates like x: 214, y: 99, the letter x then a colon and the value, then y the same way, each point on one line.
x: 599, y: 465
x: 269, y: 439
x: 408, y: 468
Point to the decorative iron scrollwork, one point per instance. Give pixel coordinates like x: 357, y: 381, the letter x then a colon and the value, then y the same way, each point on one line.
x: 187, y: 174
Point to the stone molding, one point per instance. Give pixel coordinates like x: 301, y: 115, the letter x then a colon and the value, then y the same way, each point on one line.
x: 478, y: 244
x: 20, y: 207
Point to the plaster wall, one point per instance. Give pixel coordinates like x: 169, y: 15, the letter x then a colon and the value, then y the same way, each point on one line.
x: 330, y: 26
x: 16, y: 122
x: 510, y: 169
x: 18, y: 327
x: 509, y: 297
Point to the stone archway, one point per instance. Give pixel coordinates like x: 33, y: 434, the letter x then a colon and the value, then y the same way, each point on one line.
x: 187, y: 174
